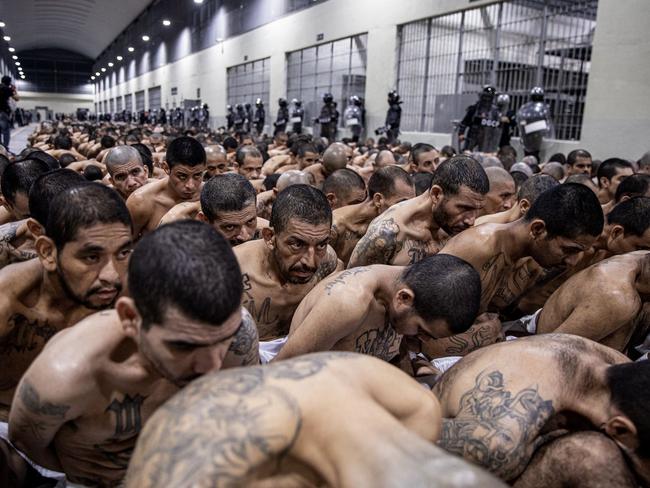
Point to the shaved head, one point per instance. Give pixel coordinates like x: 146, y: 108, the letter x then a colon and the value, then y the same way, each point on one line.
x: 215, y: 153
x: 335, y: 157
x: 121, y: 155
x: 293, y: 177
x: 385, y: 158
x: 502, y: 191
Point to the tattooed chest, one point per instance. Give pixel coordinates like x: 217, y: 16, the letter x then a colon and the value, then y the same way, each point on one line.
x: 412, y: 251
x: 382, y: 342
x: 26, y: 335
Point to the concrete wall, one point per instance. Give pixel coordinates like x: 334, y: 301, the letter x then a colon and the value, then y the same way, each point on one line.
x: 617, y: 115
x: 57, y: 102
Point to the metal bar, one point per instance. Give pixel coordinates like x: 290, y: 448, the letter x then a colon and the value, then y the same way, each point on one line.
x: 425, y: 88
x: 542, y: 45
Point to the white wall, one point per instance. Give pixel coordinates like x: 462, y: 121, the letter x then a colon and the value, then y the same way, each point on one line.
x: 58, y: 102
x: 617, y: 111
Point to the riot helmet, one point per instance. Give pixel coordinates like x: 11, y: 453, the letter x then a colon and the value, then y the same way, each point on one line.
x: 328, y: 97
x: 537, y: 94
x: 503, y: 100
x: 282, y: 102
x: 488, y: 93
x: 393, y: 97
x: 355, y: 100
x: 259, y: 102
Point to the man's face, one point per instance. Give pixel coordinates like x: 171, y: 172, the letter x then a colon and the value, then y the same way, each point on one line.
x: 20, y: 207
x: 251, y: 168
x: 307, y: 160
x: 582, y: 166
x: 560, y: 251
x: 455, y: 213
x: 612, y: 185
x: 247, y: 141
x: 352, y: 197
x: 128, y: 177
x: 185, y: 181
x: 426, y: 162
x: 402, y: 192
x: 92, y: 267
x: 281, y: 140
x: 629, y: 243
x: 500, y: 197
x: 299, y: 250
x: 238, y: 226
x: 181, y: 348
x: 216, y: 165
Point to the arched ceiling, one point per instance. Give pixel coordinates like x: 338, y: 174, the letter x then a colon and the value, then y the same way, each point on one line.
x: 82, y: 26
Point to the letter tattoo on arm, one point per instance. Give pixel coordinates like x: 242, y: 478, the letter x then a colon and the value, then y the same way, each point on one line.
x: 496, y: 428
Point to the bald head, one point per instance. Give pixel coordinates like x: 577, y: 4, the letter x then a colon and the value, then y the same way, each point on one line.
x: 335, y: 157
x: 556, y: 170
x: 217, y: 162
x: 126, y: 169
x: 293, y: 177
x: 502, y: 191
x: 384, y: 158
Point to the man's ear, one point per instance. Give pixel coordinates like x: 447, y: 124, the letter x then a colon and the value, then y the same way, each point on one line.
x: 47, y: 252
x: 35, y: 229
x: 604, y: 182
x: 331, y: 198
x: 378, y: 200
x: 269, y: 237
x: 436, y: 194
x: 623, y: 432
x: 201, y: 217
x: 403, y: 300
x: 146, y: 171
x: 524, y: 206
x: 129, y: 316
x: 165, y: 167
x: 537, y: 229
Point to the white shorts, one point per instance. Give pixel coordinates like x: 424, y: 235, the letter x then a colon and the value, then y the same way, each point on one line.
x: 48, y: 473
x: 270, y: 349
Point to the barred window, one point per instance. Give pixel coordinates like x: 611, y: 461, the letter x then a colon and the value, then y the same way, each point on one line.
x: 139, y: 100
x: 118, y: 104
x: 105, y: 106
x: 248, y: 82
x: 338, y: 67
x: 154, y: 98
x: 111, y: 105
x: 444, y: 61
x: 128, y: 103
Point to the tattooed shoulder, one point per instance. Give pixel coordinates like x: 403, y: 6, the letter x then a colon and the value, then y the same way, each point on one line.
x: 340, y: 279
x: 379, y: 245
x: 246, y: 343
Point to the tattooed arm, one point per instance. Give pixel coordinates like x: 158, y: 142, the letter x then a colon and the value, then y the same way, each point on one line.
x: 244, y: 350
x: 378, y: 246
x: 495, y: 427
x: 485, y: 331
x: 331, y: 264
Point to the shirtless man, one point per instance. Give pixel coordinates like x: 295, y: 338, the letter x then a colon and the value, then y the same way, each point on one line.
x: 80, y: 409
x: 81, y: 262
x: 563, y: 222
x: 216, y: 161
x: 369, y: 309
x: 344, y: 187
x: 185, y: 166
x: 502, y: 191
x: 611, y: 173
x: 292, y: 258
x: 302, y: 155
x: 578, y: 162
x: 412, y: 230
x: 17, y: 239
x: 387, y: 187
x: 248, y: 162
x: 263, y: 426
x: 499, y: 403
x: 603, y: 303
x: 335, y: 157
x: 424, y: 158
x: 126, y: 170
x: 526, y: 196
x: 15, y: 182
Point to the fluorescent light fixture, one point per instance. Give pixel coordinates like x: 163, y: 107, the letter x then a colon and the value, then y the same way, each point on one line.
x: 22, y: 76
x: 14, y: 57
x: 103, y: 70
x: 97, y: 73
x: 11, y: 49
x: 198, y: 1
x: 167, y: 22
x: 110, y: 65
x: 145, y: 38
x: 119, y: 58
x: 17, y: 63
x: 92, y: 77
x: 7, y: 38
x: 2, y: 24
x: 131, y: 49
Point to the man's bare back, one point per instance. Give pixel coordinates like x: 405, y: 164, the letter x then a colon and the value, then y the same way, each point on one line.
x: 148, y: 204
x: 603, y: 303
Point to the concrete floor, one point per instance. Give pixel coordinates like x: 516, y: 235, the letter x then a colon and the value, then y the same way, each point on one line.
x: 18, y: 140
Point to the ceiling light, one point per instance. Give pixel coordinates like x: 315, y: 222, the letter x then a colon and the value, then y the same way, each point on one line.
x: 110, y: 65
x: 2, y: 24
x: 145, y: 38
x: 22, y: 77
x: 17, y: 63
x: 167, y: 23
x: 7, y: 38
x: 103, y: 70
x: 219, y: 39
x: 97, y: 73
x: 198, y: 1
x: 119, y: 58
x: 92, y: 77
x: 11, y: 50
x: 131, y: 49
x: 14, y: 57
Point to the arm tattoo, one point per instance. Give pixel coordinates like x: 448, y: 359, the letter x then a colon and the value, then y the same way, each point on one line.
x: 379, y: 245
x: 496, y: 428
x: 327, y: 267
x: 245, y: 346
x: 32, y: 401
x: 235, y: 419
x: 340, y: 279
